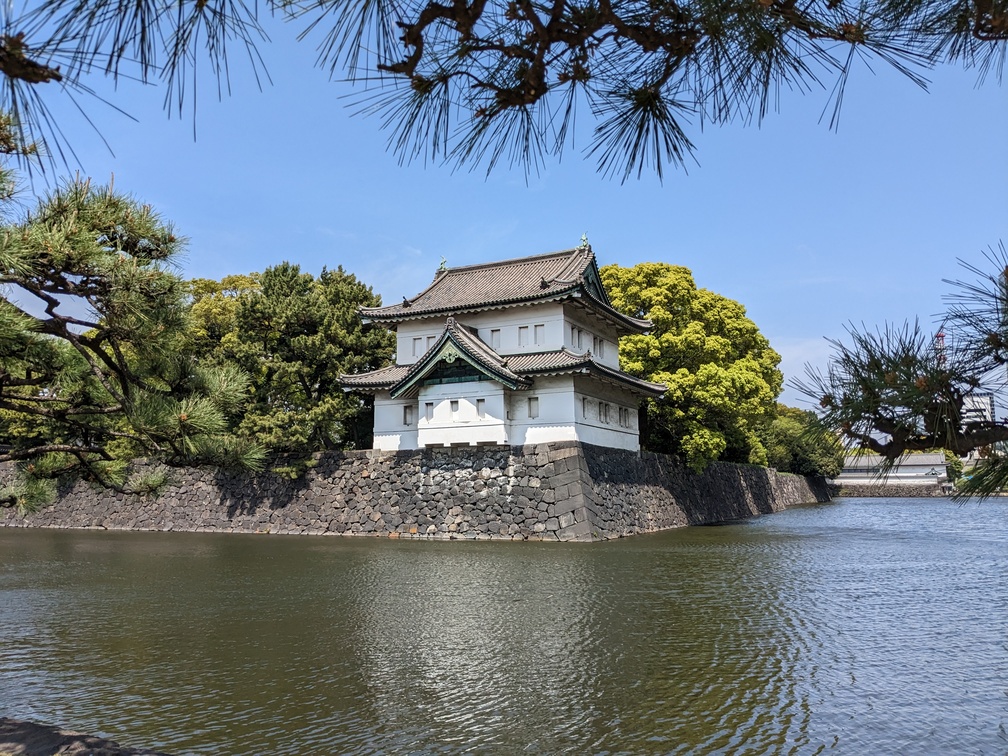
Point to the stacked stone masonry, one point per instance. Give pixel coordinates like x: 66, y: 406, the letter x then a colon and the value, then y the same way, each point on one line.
x: 890, y: 491
x: 563, y: 491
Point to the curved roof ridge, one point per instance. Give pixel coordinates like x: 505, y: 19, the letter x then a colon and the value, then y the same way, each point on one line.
x: 373, y: 379
x: 500, y: 283
x: 472, y: 350
x: 512, y: 260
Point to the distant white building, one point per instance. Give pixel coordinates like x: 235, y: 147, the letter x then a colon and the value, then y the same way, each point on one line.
x: 978, y: 408
x: 511, y: 353
x: 924, y: 469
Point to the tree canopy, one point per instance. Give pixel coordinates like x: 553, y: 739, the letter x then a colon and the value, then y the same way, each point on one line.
x: 798, y: 442
x: 721, y: 372
x: 294, y: 335
x: 95, y: 361
x: 490, y: 80
x: 904, y: 388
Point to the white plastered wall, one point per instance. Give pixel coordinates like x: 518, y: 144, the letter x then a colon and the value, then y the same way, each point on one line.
x: 450, y: 414
x: 586, y: 330
x: 510, y: 321
x: 408, y: 348
x: 593, y: 427
x: 390, y: 432
x: 554, y: 402
x: 569, y: 408
x: 414, y: 337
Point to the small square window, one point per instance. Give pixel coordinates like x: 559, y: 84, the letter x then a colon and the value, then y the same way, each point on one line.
x: 584, y: 407
x: 523, y: 335
x: 539, y: 334
x: 533, y: 407
x: 481, y: 408
x: 431, y: 341
x: 429, y: 411
x: 407, y: 414
x: 417, y: 346
x: 454, y: 409
x: 495, y: 338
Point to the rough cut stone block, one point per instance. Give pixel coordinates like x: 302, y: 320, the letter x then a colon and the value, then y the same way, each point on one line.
x: 564, y: 478
x: 579, y: 531
x: 568, y: 504
x: 500, y: 491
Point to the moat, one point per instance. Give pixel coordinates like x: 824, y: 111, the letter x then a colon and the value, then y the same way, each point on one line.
x: 853, y: 627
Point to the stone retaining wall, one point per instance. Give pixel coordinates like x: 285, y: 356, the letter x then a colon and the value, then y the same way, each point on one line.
x: 890, y: 491
x: 561, y: 491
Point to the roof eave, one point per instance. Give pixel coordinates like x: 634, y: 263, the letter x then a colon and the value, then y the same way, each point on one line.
x: 633, y: 325
x: 399, y: 317
x: 416, y: 373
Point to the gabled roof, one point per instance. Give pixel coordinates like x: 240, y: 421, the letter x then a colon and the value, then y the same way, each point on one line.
x: 516, y: 371
x: 569, y: 274
x: 376, y: 380
x: 872, y: 461
x: 459, y: 342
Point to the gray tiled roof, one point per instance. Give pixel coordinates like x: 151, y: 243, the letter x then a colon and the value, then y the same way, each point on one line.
x: 558, y: 275
x: 873, y: 461
x: 565, y: 361
x: 376, y: 379
x: 516, y: 370
x: 481, y: 354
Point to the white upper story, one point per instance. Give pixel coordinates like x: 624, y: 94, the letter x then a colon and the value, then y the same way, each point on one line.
x: 513, y: 352
x: 546, y: 327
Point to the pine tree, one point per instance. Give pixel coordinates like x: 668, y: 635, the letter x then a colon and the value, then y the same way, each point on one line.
x: 501, y: 80
x: 904, y: 388
x: 96, y: 364
x: 295, y: 335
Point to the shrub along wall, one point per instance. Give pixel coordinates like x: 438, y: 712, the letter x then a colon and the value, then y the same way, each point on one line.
x: 561, y: 491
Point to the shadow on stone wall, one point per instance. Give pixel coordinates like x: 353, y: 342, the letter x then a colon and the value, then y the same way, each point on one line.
x: 562, y: 491
x: 639, y: 493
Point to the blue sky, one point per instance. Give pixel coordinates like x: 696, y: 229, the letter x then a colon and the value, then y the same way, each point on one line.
x: 808, y: 228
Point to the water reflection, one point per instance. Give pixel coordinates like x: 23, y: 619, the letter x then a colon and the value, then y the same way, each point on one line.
x: 485, y: 646
x: 858, y: 627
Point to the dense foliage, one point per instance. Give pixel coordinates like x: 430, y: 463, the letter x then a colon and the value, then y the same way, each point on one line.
x: 106, y: 356
x: 96, y: 364
x: 797, y: 442
x: 902, y: 388
x: 295, y: 334
x: 488, y: 80
x: 721, y: 373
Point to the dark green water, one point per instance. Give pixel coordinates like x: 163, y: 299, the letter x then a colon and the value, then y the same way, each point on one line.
x: 864, y: 626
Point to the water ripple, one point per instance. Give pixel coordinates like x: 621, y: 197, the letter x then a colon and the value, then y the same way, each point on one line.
x: 864, y: 626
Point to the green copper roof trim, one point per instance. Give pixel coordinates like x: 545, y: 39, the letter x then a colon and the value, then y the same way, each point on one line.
x: 449, y: 349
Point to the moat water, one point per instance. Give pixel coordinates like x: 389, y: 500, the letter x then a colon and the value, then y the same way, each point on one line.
x: 862, y: 626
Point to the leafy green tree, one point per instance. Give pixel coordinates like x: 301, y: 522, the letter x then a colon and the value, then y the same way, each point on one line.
x: 797, y: 442
x: 295, y: 335
x: 215, y: 307
x: 902, y: 389
x: 953, y: 466
x: 491, y: 79
x: 95, y: 360
x: 721, y: 373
